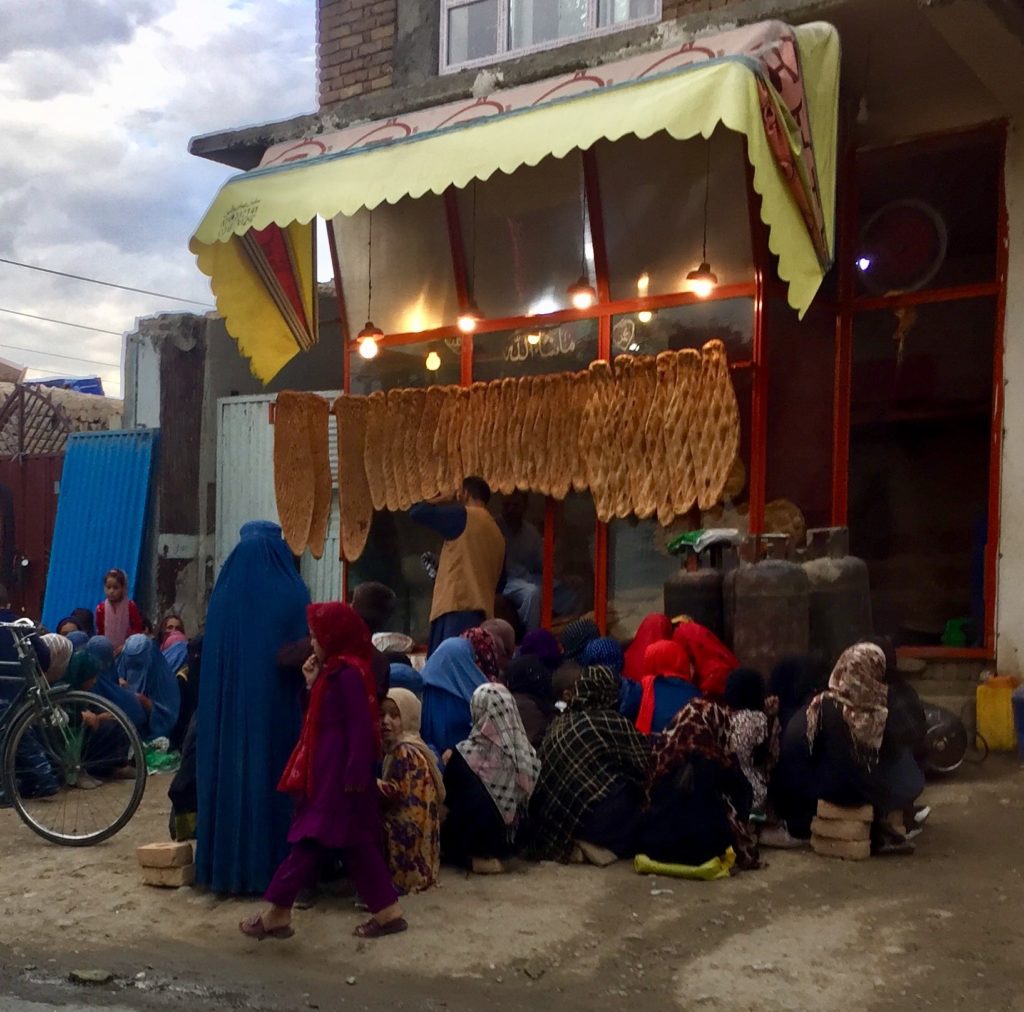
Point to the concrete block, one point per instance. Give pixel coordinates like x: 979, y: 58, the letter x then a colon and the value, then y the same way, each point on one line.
x: 841, y: 829
x: 164, y: 855
x: 170, y: 878
x: 826, y: 810
x: 846, y: 850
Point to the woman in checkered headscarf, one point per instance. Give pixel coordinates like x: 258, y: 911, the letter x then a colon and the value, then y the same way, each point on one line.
x: 489, y: 779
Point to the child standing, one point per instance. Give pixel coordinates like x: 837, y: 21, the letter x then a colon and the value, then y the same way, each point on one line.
x: 117, y: 617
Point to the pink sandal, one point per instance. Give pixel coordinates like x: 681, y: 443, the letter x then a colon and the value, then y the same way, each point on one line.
x: 253, y: 927
x: 373, y: 929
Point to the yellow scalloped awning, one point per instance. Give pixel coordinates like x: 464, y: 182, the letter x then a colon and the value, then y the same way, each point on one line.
x: 776, y: 85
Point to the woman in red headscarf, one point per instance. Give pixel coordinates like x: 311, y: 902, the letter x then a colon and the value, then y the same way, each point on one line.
x: 710, y: 659
x: 653, y: 629
x: 666, y: 686
x: 331, y: 776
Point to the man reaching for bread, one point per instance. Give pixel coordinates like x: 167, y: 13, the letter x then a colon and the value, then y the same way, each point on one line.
x: 470, y: 569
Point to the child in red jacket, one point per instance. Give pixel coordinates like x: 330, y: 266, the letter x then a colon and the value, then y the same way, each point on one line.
x: 117, y: 617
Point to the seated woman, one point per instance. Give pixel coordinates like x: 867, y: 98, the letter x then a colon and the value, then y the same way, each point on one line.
x: 710, y: 659
x: 504, y: 637
x: 450, y: 678
x: 795, y: 681
x: 604, y: 652
x: 488, y: 779
x: 529, y: 681
x: 175, y: 648
x: 142, y: 668
x: 594, y: 770
x: 576, y: 635
x: 485, y: 653
x: 664, y: 689
x: 831, y: 750
x: 413, y: 791
x: 700, y: 799
x: 753, y: 733
x: 401, y: 673
x: 653, y: 629
x: 543, y: 644
x: 105, y: 746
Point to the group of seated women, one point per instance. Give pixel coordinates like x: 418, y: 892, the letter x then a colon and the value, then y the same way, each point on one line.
x: 575, y: 749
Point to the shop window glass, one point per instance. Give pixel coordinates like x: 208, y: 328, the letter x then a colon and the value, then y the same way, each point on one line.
x: 801, y: 370
x: 652, y: 195
x: 405, y: 365
x: 638, y: 566
x: 525, y: 238
x: 919, y: 452
x: 473, y: 31
x: 689, y: 326
x: 928, y: 216
x: 575, y: 524
x: 534, y: 22
x: 568, y: 347
x: 393, y: 557
x: 413, y: 283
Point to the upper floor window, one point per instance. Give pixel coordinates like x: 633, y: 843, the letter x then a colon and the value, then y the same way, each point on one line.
x: 477, y: 32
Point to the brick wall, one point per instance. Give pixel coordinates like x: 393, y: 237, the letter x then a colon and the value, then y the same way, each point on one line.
x: 356, y: 42
x: 356, y: 54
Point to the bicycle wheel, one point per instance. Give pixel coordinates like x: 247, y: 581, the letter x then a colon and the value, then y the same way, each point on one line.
x: 75, y: 772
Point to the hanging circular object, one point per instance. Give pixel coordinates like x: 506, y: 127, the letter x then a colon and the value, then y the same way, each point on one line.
x: 433, y: 362
x: 533, y: 338
x: 367, y: 337
x: 902, y: 247
x: 468, y: 320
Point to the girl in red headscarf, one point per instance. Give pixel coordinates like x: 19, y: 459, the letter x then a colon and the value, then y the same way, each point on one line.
x: 653, y: 629
x: 331, y: 776
x: 710, y: 659
x: 667, y: 687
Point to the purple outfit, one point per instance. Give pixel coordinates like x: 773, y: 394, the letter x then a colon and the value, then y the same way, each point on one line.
x: 343, y: 812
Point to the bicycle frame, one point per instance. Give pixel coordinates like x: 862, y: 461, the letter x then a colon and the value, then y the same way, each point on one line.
x: 34, y: 687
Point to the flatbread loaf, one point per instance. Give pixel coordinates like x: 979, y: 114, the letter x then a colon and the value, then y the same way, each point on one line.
x: 355, y: 505
x: 376, y: 411
x: 717, y: 426
x: 318, y: 414
x: 426, y: 462
x: 294, y: 483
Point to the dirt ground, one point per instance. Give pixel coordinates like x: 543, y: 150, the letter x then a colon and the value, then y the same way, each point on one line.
x: 941, y: 929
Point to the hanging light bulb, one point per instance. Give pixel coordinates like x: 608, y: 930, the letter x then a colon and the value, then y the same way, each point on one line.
x: 367, y: 338
x: 468, y: 320
x: 433, y: 362
x: 581, y: 293
x: 642, y: 284
x: 533, y: 338
x: 370, y: 333
x: 645, y: 316
x: 703, y: 280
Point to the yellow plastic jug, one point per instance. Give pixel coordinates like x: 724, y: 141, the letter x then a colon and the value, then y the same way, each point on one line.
x: 995, y: 712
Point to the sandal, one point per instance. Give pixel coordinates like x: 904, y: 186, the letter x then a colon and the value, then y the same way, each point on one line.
x: 373, y: 929
x: 253, y: 928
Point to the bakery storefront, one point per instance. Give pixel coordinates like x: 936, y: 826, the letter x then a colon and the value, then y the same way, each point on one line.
x: 617, y: 295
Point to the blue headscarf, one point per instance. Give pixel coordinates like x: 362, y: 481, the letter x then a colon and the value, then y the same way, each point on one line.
x: 404, y: 676
x: 143, y: 667
x: 450, y: 677
x: 78, y: 640
x: 604, y: 652
x: 102, y: 650
x: 249, y: 716
x: 176, y: 655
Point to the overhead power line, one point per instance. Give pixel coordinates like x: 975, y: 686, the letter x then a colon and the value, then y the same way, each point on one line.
x: 63, y: 323
x: 106, y: 284
x: 53, y: 354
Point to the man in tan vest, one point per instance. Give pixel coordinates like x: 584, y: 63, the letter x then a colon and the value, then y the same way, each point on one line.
x: 469, y: 571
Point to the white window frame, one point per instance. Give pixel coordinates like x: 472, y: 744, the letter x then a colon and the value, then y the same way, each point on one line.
x: 505, y: 51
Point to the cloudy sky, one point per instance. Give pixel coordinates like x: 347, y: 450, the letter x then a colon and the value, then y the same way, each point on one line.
x: 98, y: 99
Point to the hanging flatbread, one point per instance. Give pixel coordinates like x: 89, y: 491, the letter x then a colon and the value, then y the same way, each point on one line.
x: 595, y: 439
x: 355, y: 505
x: 376, y: 412
x: 682, y: 445
x: 426, y: 462
x: 294, y: 482
x: 318, y: 413
x: 717, y: 425
x: 513, y: 407
x: 640, y: 403
x: 579, y: 395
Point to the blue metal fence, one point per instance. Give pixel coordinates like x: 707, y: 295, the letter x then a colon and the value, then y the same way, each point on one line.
x: 101, y: 516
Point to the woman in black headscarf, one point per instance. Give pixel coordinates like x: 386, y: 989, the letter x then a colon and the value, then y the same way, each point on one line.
x: 529, y: 681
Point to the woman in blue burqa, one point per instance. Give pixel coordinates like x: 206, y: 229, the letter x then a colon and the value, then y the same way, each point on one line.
x: 249, y: 715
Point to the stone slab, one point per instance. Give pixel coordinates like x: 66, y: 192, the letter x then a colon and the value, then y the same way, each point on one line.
x: 170, y: 878
x: 841, y: 829
x: 164, y: 855
x: 826, y: 810
x: 847, y: 850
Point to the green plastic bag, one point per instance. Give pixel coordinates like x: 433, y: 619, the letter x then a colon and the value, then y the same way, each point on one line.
x: 717, y: 867
x: 158, y: 761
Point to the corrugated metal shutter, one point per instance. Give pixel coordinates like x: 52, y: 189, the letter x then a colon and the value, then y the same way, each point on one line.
x: 245, y: 486
x: 101, y: 516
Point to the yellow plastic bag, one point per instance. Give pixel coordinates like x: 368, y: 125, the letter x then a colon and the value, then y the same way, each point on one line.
x: 717, y: 867
x: 995, y: 713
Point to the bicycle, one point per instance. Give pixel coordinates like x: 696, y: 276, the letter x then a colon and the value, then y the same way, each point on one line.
x: 71, y: 763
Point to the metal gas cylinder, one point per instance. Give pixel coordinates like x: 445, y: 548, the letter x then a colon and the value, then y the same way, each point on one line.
x: 767, y: 605
x: 696, y: 589
x: 840, y: 595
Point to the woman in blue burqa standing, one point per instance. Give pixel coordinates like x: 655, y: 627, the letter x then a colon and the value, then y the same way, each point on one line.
x: 249, y: 713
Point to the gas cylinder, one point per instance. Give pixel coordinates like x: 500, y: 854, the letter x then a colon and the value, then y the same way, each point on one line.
x: 840, y: 597
x: 697, y: 594
x: 767, y: 608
